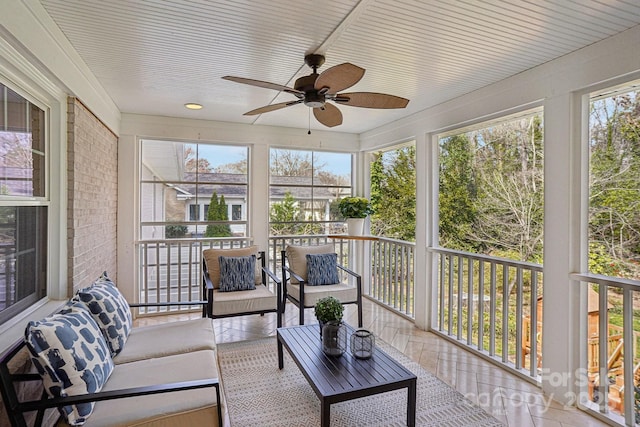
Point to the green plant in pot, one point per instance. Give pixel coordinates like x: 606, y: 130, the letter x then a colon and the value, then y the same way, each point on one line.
x: 355, y: 207
x: 355, y: 210
x: 329, y: 312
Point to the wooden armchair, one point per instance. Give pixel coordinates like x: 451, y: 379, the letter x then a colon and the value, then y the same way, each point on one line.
x: 223, y: 302
x: 303, y: 294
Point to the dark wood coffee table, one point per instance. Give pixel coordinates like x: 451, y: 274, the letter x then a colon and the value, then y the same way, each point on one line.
x: 336, y: 379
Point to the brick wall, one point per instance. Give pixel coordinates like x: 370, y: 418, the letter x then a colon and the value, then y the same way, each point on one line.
x: 92, y: 198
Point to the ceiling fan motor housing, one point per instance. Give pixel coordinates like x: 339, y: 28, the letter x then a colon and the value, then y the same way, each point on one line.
x: 312, y: 98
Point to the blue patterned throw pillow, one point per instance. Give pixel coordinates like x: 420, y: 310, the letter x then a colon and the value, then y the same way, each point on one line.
x: 322, y: 269
x: 72, y: 357
x: 110, y: 310
x: 237, y: 273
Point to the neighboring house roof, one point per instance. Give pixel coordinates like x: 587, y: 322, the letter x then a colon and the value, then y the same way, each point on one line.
x: 298, y: 186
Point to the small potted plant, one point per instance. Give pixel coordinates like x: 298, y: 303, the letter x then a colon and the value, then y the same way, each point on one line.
x: 329, y: 312
x: 355, y: 210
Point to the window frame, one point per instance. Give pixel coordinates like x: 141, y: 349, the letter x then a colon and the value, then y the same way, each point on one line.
x: 313, y: 222
x: 55, y: 259
x: 196, y: 227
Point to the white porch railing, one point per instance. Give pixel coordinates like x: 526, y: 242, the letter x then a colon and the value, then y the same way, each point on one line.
x: 171, y: 270
x: 484, y: 303
x: 392, y: 275
x: 614, y: 355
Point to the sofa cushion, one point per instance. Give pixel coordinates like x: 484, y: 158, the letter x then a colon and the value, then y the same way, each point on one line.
x: 182, y: 408
x: 343, y: 292
x: 259, y: 299
x: 167, y: 339
x: 237, y: 273
x: 110, y: 311
x: 322, y: 269
x: 70, y: 353
x: 298, y: 260
x: 213, y: 265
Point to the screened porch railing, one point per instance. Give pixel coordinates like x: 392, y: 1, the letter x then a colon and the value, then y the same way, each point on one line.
x: 615, y: 355
x: 490, y: 305
x: 171, y: 270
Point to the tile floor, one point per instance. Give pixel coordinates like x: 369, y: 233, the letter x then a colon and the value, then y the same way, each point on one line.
x: 515, y: 402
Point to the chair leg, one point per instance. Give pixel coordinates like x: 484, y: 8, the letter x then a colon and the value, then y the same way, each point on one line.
x: 301, y: 314
x: 360, y: 314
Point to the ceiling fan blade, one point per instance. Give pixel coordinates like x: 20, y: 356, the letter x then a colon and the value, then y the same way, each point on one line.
x: 265, y: 85
x: 272, y: 107
x: 371, y: 100
x: 339, y: 77
x: 329, y: 115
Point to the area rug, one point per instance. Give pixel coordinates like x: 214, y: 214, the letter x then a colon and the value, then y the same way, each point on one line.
x: 258, y: 394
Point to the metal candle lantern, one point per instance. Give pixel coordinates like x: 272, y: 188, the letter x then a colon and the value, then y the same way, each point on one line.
x: 362, y: 344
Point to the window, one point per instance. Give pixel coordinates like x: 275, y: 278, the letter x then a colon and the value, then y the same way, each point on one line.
x: 491, y: 189
x: 614, y: 244
x: 194, y: 212
x: 236, y: 212
x: 23, y: 206
x: 185, y: 189
x: 305, y: 188
x: 614, y: 192
x: 393, y: 193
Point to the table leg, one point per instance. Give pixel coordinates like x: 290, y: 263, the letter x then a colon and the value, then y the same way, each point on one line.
x: 411, y: 404
x: 325, y: 413
x: 280, y: 356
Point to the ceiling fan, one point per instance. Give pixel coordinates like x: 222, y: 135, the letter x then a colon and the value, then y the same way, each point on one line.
x: 316, y: 89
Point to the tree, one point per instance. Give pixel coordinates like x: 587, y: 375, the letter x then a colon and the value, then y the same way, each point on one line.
x: 457, y: 194
x: 614, y: 200
x: 292, y: 163
x: 193, y: 163
x: 239, y: 167
x: 217, y: 212
x: 510, y: 199
x: 282, y: 216
x: 393, y: 194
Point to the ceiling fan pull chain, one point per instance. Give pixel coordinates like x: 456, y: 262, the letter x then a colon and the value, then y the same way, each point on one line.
x: 309, y: 132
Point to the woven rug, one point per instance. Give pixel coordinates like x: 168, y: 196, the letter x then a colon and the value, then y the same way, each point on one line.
x: 258, y: 394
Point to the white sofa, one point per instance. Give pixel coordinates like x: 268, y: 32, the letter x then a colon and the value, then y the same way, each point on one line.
x: 163, y: 375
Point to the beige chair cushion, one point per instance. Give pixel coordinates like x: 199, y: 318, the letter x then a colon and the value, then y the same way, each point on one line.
x: 258, y: 299
x: 343, y: 292
x: 167, y: 339
x: 213, y: 264
x: 298, y: 260
x: 183, y: 408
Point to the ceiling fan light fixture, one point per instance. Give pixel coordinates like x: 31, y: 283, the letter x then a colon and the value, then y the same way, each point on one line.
x: 193, y: 106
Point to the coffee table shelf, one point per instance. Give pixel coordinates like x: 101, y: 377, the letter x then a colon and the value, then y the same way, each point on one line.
x: 336, y: 379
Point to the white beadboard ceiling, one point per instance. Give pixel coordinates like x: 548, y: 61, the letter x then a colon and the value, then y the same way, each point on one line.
x: 153, y: 56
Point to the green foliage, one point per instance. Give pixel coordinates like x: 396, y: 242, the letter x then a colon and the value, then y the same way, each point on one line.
x: 175, y: 231
x: 614, y: 199
x: 491, y: 190
x: 457, y: 194
x: 393, y: 194
x: 354, y: 207
x: 328, y: 309
x: 217, y: 212
x: 282, y: 216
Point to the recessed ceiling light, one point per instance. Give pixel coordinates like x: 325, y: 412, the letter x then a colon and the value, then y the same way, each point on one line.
x: 193, y: 106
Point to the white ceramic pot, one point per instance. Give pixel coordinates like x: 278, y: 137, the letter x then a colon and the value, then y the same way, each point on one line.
x: 355, y: 226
